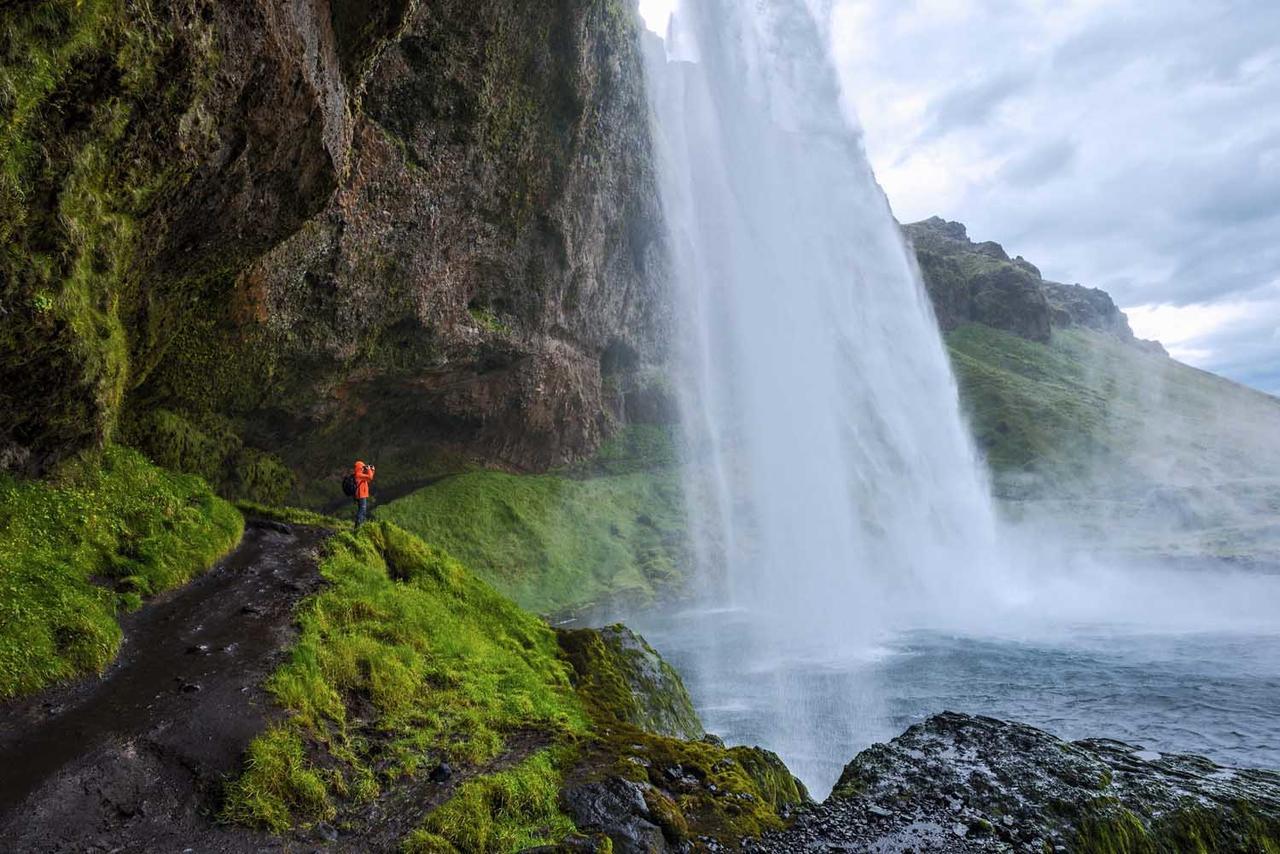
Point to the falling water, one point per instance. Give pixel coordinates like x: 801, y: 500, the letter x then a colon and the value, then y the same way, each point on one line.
x: 833, y: 483
x: 853, y: 575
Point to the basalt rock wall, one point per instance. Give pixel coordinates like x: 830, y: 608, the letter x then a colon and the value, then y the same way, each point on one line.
x: 245, y: 233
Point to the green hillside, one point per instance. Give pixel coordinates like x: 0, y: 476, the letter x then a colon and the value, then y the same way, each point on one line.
x: 1090, y: 429
x: 612, y: 529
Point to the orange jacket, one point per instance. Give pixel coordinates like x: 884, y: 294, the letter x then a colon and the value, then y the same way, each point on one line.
x: 363, y: 474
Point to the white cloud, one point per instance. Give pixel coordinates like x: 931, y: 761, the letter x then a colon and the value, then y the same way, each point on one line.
x: 1131, y: 146
x: 1180, y: 326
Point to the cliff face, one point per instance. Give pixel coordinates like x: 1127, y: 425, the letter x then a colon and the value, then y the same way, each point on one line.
x: 979, y: 283
x: 238, y: 232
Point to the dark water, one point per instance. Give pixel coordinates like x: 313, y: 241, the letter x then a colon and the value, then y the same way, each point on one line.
x: 1213, y: 694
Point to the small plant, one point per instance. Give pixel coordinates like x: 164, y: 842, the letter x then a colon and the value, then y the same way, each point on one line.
x: 42, y: 302
x: 487, y: 320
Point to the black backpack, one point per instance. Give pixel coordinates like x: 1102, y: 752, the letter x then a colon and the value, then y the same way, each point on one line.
x: 349, y: 485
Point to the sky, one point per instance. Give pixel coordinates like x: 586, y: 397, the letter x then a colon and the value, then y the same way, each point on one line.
x: 1131, y: 145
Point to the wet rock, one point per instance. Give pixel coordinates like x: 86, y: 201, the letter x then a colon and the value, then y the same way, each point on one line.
x: 356, y: 208
x: 967, y: 783
x: 325, y: 832
x: 441, y: 773
x: 620, y: 672
x: 617, y: 809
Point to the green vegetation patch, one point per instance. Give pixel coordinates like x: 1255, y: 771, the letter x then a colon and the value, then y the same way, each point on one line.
x: 405, y: 658
x: 292, y: 516
x: 211, y: 446
x: 1088, y: 403
x: 619, y: 674
x: 728, y: 793
x: 105, y: 531
x: 1191, y: 829
x: 86, y: 87
x: 507, y: 811
x: 614, y: 528
x: 1033, y: 407
x: 1150, y: 455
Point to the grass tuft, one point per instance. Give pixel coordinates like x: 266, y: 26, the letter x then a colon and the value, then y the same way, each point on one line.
x: 507, y: 811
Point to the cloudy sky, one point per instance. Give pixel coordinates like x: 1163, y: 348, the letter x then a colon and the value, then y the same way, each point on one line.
x: 1132, y: 145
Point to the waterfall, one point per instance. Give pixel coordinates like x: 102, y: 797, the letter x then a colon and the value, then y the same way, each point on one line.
x: 833, y: 487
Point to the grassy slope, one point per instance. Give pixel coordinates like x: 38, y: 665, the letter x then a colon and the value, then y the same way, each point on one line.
x: 407, y: 658
x: 559, y: 541
x: 103, y: 533
x: 1111, y: 432
x: 443, y: 666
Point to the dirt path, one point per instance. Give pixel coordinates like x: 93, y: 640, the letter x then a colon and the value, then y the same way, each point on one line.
x: 133, y: 761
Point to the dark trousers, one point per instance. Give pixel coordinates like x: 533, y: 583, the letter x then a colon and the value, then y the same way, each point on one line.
x: 362, y: 511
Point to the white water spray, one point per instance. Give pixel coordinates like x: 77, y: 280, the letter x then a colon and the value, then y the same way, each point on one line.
x: 833, y: 478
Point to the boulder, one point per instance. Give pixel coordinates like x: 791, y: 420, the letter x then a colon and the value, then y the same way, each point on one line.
x: 618, y: 671
x: 968, y: 783
x: 616, y: 808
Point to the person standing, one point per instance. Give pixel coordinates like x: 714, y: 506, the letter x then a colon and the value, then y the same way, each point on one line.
x: 363, y: 476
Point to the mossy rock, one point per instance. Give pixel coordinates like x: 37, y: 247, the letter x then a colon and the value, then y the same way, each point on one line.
x: 616, y: 671
x: 688, y: 789
x: 1030, y: 791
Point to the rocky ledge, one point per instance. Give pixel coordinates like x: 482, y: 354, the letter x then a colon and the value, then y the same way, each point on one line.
x: 959, y: 783
x: 972, y: 282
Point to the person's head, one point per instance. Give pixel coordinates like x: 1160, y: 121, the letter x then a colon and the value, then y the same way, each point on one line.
x: 359, y: 464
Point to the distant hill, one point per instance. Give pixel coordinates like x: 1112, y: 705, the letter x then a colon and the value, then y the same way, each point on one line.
x: 1086, y: 425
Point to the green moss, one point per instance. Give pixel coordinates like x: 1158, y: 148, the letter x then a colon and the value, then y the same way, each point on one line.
x: 180, y: 443
x: 210, y: 445
x: 748, y: 792
x: 81, y: 164
x: 261, y: 477
x: 106, y: 531
x: 507, y: 811
x: 560, y: 541
x: 1107, y: 828
x: 487, y: 320
x: 1116, y: 832
x: 620, y: 676
x: 637, y: 449
x: 444, y: 667
x: 778, y: 786
x: 279, y: 786
x: 292, y: 515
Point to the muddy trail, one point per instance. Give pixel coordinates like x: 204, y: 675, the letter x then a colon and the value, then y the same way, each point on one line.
x: 134, y: 760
